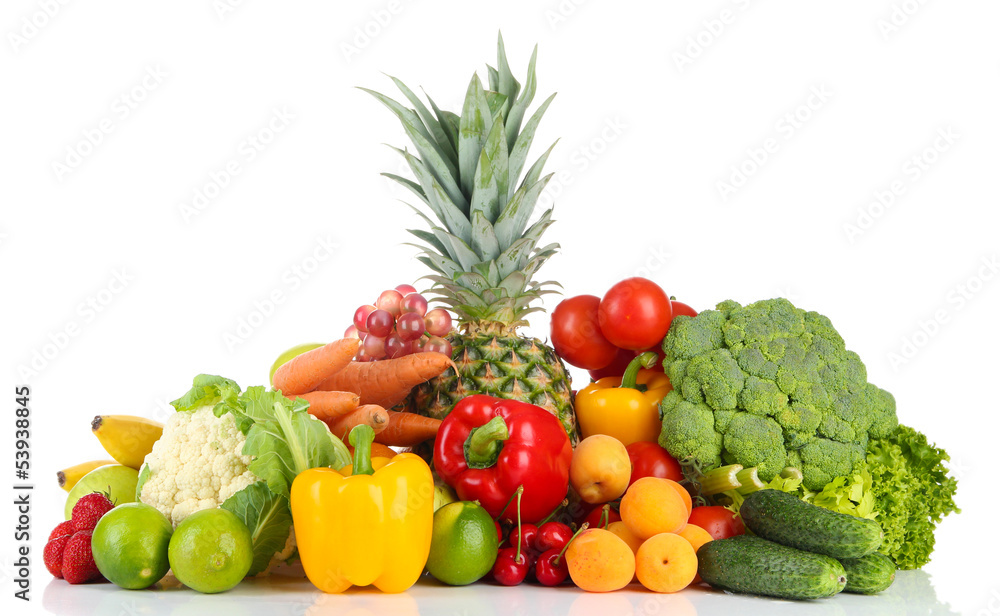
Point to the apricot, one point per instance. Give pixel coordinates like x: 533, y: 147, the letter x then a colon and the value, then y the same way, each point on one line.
x: 695, y: 535
x: 666, y: 563
x: 600, y: 469
x: 619, y: 528
x: 600, y: 561
x: 685, y: 495
x: 653, y: 506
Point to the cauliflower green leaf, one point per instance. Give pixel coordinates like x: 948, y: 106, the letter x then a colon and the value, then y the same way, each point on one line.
x: 269, y: 519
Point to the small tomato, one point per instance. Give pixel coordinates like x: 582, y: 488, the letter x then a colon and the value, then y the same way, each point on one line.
x: 576, y: 335
x: 720, y: 522
x: 635, y: 314
x: 616, y: 367
x: 650, y: 460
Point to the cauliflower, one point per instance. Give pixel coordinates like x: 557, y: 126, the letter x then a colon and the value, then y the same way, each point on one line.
x: 769, y: 386
x: 197, y: 464
x: 239, y: 450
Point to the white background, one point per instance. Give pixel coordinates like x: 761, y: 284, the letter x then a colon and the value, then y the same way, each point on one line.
x: 658, y: 105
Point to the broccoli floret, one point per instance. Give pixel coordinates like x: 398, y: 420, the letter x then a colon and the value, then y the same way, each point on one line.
x: 824, y: 460
x: 756, y: 441
x: 718, y: 378
x: 694, y: 336
x: 762, y: 397
x: 769, y: 385
x: 690, y: 428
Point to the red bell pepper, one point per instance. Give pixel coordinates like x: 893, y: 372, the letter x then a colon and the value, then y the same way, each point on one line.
x: 487, y: 447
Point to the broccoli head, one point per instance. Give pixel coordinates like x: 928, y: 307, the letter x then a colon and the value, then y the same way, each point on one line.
x: 769, y: 385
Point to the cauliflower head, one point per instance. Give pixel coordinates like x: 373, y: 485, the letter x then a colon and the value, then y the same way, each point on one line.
x: 195, y: 465
x: 769, y: 385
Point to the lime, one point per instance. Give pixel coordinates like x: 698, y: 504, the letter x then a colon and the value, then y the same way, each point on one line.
x: 115, y: 480
x: 130, y: 545
x: 295, y: 351
x: 211, y: 550
x: 463, y: 545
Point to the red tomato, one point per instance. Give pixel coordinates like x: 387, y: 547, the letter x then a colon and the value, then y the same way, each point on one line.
x: 635, y: 314
x: 576, y: 336
x: 616, y: 367
x: 720, y: 522
x: 680, y: 308
x: 594, y: 517
x: 650, y: 460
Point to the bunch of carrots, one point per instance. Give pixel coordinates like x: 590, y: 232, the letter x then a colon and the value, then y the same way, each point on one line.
x: 345, y: 393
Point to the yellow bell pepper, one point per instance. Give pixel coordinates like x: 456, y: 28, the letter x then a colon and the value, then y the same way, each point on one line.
x: 617, y: 407
x: 371, y: 527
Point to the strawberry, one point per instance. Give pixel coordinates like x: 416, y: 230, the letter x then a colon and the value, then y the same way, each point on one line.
x: 78, y: 561
x: 89, y: 509
x: 53, y: 554
x: 64, y: 528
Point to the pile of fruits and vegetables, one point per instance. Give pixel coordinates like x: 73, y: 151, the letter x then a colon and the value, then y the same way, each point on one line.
x: 739, y: 447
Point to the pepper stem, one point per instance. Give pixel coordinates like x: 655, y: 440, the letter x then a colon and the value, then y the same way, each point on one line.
x: 643, y: 360
x: 582, y: 528
x: 361, y: 438
x: 483, y: 446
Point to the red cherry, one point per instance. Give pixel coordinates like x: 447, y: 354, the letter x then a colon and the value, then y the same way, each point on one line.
x: 551, y: 568
x: 526, y: 537
x: 552, y: 535
x: 508, y: 569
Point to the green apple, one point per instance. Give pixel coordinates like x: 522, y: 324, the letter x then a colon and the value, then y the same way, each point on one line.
x: 295, y: 351
x: 116, y: 480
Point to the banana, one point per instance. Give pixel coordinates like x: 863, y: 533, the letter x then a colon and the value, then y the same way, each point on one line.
x: 127, y: 438
x: 69, y: 476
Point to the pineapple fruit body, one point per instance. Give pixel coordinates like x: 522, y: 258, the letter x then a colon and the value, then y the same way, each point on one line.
x: 495, y: 361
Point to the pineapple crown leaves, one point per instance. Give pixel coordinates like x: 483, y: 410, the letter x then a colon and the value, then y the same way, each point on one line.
x: 483, y: 252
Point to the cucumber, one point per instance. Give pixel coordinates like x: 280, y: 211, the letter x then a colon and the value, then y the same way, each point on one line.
x: 870, y: 574
x: 783, y: 518
x: 756, y: 566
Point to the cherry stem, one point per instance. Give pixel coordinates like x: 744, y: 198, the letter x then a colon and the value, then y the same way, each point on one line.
x: 583, y: 527
x: 549, y: 517
x: 602, y: 522
x: 510, y: 500
x: 520, y: 536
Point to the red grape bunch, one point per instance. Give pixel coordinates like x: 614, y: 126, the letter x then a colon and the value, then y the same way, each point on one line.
x: 397, y: 324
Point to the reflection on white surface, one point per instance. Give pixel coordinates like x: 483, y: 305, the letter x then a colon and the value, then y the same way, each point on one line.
x: 280, y: 596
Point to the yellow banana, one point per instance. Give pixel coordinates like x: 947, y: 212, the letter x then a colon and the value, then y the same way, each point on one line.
x: 127, y: 438
x: 69, y: 476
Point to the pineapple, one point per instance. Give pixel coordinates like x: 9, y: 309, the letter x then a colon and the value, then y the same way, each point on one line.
x: 482, y: 253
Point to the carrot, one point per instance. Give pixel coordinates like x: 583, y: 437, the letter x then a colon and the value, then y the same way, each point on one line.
x: 387, y: 382
x: 379, y: 451
x: 303, y: 373
x: 408, y: 429
x: 330, y: 404
x: 370, y: 414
